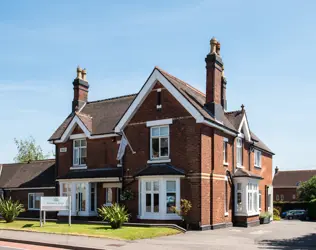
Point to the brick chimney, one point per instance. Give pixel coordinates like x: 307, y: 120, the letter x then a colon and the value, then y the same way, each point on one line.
x: 215, y: 82
x: 81, y: 89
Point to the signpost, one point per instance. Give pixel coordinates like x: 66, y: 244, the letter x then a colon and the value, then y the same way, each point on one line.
x: 54, y: 203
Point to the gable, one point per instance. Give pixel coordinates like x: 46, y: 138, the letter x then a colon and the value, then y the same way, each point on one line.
x: 154, y: 78
x: 77, y: 130
x: 244, y: 128
x: 158, y: 105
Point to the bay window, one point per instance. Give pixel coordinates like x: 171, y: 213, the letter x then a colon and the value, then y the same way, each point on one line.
x: 247, y: 200
x: 157, y: 197
x: 239, y: 146
x: 79, y: 152
x: 34, y: 201
x: 159, y: 142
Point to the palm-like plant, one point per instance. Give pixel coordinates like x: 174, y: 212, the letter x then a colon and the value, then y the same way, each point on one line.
x: 116, y: 215
x: 10, y: 209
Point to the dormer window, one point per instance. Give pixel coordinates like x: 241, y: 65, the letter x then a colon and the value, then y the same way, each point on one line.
x: 79, y: 152
x: 159, y: 142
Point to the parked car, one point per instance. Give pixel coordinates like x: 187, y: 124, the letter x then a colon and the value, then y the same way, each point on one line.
x: 283, y: 214
x: 296, y: 214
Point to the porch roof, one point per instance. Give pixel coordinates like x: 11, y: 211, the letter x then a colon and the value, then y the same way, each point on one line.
x: 160, y: 169
x: 240, y: 172
x: 93, y: 173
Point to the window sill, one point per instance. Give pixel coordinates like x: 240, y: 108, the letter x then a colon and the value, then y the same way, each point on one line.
x: 33, y: 209
x: 159, y: 161
x: 107, y: 204
x: 257, y: 167
x: 239, y: 166
x: 226, y: 214
x: 225, y: 163
x: 78, y: 167
x: 159, y: 217
x: 119, y: 165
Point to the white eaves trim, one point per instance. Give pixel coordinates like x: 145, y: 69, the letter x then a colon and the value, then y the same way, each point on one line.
x: 30, y: 188
x: 104, y: 179
x: 155, y: 77
x: 158, y: 122
x: 244, y: 124
x: 86, y: 133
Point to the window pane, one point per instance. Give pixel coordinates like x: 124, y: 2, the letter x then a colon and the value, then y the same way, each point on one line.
x: 148, y: 202
x: 259, y: 199
x: 255, y: 202
x: 239, y: 202
x: 76, y: 156
x: 156, y: 186
x: 164, y: 146
x: 83, y: 200
x: 31, y: 198
x: 164, y: 131
x: 238, y: 186
x: 171, y: 186
x: 83, y: 156
x: 77, y: 143
x: 109, y: 196
x: 156, y: 203
x: 171, y: 202
x: 155, y: 131
x: 155, y: 148
x: 83, y: 143
x: 148, y: 186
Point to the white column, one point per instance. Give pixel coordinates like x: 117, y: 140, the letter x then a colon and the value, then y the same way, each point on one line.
x: 87, y: 185
x: 73, y: 198
x: 162, y: 197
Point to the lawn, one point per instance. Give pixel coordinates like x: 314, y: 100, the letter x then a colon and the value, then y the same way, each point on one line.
x: 125, y: 233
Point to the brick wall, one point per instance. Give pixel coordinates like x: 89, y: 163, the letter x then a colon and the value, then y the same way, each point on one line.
x: 286, y: 192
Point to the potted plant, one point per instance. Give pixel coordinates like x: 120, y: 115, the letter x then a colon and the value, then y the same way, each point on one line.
x: 185, y: 207
x: 265, y: 217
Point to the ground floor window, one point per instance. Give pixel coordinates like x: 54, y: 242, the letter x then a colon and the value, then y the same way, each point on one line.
x: 157, y: 196
x: 34, y: 201
x: 247, y: 196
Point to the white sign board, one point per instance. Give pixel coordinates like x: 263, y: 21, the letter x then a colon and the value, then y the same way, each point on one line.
x: 63, y: 150
x: 58, y: 203
x: 55, y: 203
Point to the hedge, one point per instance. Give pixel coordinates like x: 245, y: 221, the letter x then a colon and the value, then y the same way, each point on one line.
x: 312, y: 209
x: 294, y: 205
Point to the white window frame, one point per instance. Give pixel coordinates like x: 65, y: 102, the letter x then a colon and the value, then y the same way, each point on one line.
x: 76, y: 162
x: 257, y: 155
x: 68, y: 187
x: 225, y: 152
x: 282, y: 197
x: 277, y: 197
x: 34, y: 199
x: 226, y: 202
x: 260, y: 202
x: 159, y: 138
x: 239, y: 156
x: 108, y: 192
x: 162, y: 214
x: 246, y: 208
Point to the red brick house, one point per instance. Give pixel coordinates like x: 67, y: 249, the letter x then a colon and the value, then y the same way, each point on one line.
x: 27, y: 182
x: 186, y: 143
x: 285, y: 183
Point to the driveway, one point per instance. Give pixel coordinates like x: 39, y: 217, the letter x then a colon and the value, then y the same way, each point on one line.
x: 277, y: 235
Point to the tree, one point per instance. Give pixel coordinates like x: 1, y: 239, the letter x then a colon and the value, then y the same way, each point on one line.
x: 28, y: 150
x: 307, y: 190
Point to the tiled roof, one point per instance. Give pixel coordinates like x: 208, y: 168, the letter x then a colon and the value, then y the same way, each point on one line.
x: 23, y: 175
x: 105, y: 114
x: 93, y: 173
x: 240, y: 172
x: 160, y: 169
x: 292, y: 178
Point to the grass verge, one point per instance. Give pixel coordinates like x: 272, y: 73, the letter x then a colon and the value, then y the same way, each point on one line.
x: 105, y: 231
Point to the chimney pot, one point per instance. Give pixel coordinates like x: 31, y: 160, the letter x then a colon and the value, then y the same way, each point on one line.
x: 213, y: 43
x: 276, y: 170
x: 79, y: 72
x: 218, y: 48
x: 84, y: 74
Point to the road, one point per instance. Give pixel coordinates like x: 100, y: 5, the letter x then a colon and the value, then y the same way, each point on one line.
x: 15, y: 246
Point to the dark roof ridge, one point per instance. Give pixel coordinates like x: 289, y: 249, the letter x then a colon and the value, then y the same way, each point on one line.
x: 36, y: 161
x: 183, y: 82
x: 112, y: 98
x: 234, y: 111
x: 296, y: 170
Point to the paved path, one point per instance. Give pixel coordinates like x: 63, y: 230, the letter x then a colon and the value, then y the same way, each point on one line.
x: 4, y: 245
x: 277, y: 235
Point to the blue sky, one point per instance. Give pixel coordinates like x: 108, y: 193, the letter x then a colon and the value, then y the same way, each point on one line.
x: 268, y: 48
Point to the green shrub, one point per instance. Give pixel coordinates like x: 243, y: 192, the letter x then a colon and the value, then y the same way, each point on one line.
x: 185, y: 207
x: 312, y: 209
x: 116, y: 215
x: 10, y: 209
x: 275, y: 217
x: 276, y: 212
x: 264, y: 215
x: 294, y: 205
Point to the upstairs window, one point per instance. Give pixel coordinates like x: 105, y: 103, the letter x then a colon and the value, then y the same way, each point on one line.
x: 79, y: 152
x: 225, y: 144
x: 239, y: 152
x: 257, y: 158
x: 159, y: 142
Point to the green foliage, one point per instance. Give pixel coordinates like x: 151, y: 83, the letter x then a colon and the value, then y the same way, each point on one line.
x: 116, y: 215
x: 9, y: 209
x: 28, y: 151
x: 264, y: 215
x: 276, y: 218
x: 127, y: 195
x: 312, y: 209
x: 307, y: 190
x: 286, y: 206
x: 276, y: 212
x: 185, y: 208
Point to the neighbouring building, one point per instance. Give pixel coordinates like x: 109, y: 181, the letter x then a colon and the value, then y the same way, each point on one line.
x: 285, y: 183
x: 27, y: 182
x: 185, y: 144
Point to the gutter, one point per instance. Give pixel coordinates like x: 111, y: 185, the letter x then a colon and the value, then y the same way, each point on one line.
x: 222, y: 128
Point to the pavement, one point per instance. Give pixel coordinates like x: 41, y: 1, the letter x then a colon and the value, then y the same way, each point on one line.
x: 276, y: 235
